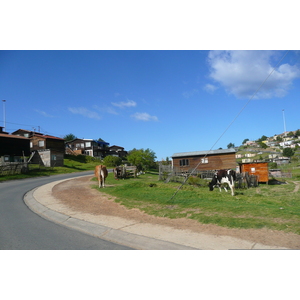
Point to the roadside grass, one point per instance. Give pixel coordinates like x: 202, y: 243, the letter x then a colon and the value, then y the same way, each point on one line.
x: 274, y: 207
x: 71, y: 164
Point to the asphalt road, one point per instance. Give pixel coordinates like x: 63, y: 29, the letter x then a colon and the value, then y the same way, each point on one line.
x: 22, y: 229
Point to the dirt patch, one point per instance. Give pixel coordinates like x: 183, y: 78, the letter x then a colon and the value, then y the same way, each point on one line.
x: 78, y: 195
x: 297, y: 186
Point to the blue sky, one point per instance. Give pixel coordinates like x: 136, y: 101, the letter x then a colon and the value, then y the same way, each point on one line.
x: 168, y: 101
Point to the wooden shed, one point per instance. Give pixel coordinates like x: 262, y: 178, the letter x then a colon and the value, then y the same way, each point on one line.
x: 206, y: 160
x: 259, y: 169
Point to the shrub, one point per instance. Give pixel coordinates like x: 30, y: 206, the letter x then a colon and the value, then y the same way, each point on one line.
x: 112, y: 161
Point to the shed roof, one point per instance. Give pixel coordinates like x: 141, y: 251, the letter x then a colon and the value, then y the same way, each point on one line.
x: 202, y: 153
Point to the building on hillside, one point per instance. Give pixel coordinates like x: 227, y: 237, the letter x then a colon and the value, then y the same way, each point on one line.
x: 205, y: 160
x: 48, y: 150
x: 117, y: 151
x: 89, y: 147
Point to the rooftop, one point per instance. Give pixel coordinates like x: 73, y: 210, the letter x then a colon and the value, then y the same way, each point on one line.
x: 202, y: 153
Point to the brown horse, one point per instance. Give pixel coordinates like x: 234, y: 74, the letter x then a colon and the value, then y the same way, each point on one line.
x: 101, y: 174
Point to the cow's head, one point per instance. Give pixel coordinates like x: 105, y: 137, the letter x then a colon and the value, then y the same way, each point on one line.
x: 212, y: 183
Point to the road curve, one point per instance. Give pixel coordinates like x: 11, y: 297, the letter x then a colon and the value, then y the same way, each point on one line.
x: 22, y: 229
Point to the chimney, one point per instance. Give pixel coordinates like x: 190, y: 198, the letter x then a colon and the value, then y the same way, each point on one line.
x: 1, y: 130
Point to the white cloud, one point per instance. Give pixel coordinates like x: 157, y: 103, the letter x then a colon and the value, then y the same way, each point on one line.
x: 129, y: 103
x: 43, y: 113
x: 144, y: 117
x: 242, y: 73
x: 210, y: 88
x: 84, y: 112
x: 106, y: 109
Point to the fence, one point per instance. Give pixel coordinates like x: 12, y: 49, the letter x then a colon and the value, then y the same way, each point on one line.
x: 167, y: 174
x: 277, y: 173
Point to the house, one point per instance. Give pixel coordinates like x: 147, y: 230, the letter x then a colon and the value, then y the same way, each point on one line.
x: 251, y: 144
x: 13, y: 148
x: 286, y: 144
x: 48, y: 150
x: 87, y: 147
x: 117, y: 151
x: 205, y: 160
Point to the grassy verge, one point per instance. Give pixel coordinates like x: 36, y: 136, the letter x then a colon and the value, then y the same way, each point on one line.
x: 71, y: 164
x: 275, y: 207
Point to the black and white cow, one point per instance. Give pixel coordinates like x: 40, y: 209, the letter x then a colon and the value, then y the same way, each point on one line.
x: 223, y: 176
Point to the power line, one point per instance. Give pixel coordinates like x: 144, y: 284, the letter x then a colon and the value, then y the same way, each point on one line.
x: 22, y: 124
x: 243, y: 108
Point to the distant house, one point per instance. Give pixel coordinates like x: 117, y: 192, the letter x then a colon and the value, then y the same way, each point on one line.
x: 117, y: 151
x: 286, y: 144
x: 87, y: 147
x: 48, y: 150
x: 251, y: 144
x: 206, y: 160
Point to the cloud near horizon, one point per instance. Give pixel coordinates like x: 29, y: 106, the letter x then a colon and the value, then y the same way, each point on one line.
x: 242, y: 72
x: 84, y: 112
x: 144, y: 117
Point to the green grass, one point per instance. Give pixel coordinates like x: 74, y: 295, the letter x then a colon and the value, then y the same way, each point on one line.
x: 71, y: 164
x: 267, y: 206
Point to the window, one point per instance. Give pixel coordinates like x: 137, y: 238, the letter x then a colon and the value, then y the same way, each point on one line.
x: 30, y: 144
x: 204, y: 160
x: 88, y: 144
x: 41, y: 143
x: 184, y: 162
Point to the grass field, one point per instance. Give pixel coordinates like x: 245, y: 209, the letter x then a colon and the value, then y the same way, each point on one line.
x: 271, y: 206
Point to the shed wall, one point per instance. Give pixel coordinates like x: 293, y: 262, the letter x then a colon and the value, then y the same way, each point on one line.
x: 214, y: 162
x: 259, y: 169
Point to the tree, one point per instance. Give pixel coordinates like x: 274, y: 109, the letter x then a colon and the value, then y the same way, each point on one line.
x: 70, y: 137
x: 142, y: 159
x: 263, y: 138
x: 245, y: 141
x: 230, y: 145
x: 288, y: 152
x: 112, y: 161
x: 262, y: 145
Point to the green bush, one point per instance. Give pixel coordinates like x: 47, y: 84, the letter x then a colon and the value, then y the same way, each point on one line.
x: 112, y: 161
x: 195, y: 181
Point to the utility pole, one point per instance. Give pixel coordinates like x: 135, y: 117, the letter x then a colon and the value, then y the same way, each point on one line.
x: 4, y: 121
x: 284, y: 126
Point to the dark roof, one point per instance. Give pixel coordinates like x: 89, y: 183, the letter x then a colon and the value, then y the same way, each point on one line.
x: 202, y: 153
